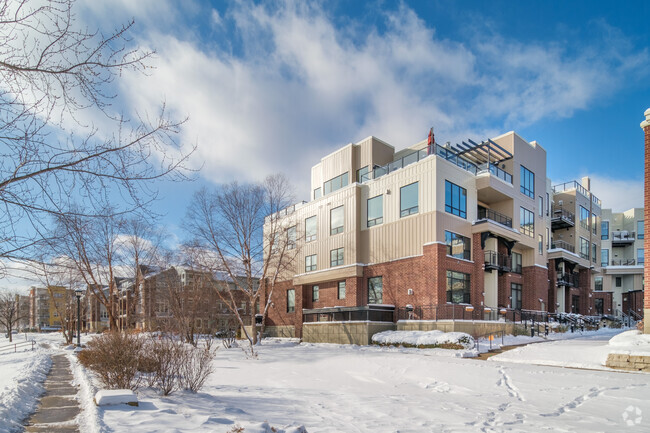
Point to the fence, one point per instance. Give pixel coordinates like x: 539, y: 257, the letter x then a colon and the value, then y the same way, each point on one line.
x: 470, y: 312
x: 23, y: 344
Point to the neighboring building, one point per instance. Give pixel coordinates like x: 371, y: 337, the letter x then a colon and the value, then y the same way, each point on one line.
x: 44, y: 310
x: 622, y: 259
x: 23, y: 312
x: 433, y: 231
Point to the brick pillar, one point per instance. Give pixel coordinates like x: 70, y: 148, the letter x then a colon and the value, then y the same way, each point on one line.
x: 645, y: 125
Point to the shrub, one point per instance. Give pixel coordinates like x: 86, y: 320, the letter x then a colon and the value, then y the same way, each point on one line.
x: 195, y: 367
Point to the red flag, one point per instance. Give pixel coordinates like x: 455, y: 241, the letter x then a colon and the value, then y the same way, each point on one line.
x: 431, y: 137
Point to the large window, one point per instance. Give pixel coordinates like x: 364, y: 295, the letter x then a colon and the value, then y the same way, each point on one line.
x: 375, y: 290
x: 584, y: 218
x: 527, y: 182
x: 310, y: 229
x: 584, y: 248
x: 337, y: 215
x: 335, y: 184
x: 540, y: 205
x: 315, y: 293
x: 458, y: 288
x: 310, y: 263
x: 375, y: 210
x: 604, y: 230
x: 361, y: 173
x: 408, y: 199
x: 526, y: 222
x: 341, y: 290
x: 604, y: 257
x: 516, y: 263
x: 291, y: 237
x: 640, y: 231
x: 336, y: 257
x: 515, y: 295
x: 639, y: 256
x: 598, y: 284
x: 291, y: 300
x: 458, y: 246
x: 455, y: 199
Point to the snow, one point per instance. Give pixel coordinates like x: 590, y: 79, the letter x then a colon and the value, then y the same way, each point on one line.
x: 631, y: 343
x: 108, y: 397
x: 424, y: 338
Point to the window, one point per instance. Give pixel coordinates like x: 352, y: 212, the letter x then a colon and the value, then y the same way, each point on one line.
x: 310, y: 263
x: 336, y: 257
x: 540, y: 205
x: 640, y: 231
x: 317, y: 193
x: 455, y: 199
x: 310, y: 229
x: 458, y: 287
x: 527, y: 182
x: 315, y: 295
x: 375, y: 210
x: 361, y: 173
x: 291, y: 300
x: 291, y: 237
x: 584, y: 218
x: 548, y: 203
x: 639, y: 256
x: 619, y: 281
x: 336, y: 220
x: 341, y: 290
x: 600, y: 306
x: 584, y: 248
x: 408, y: 199
x: 457, y: 246
x: 515, y: 295
x: 604, y: 230
x: 516, y: 263
x: 548, y: 238
x: 526, y: 222
x: 604, y: 257
x: 375, y: 290
x: 335, y: 184
x: 598, y: 284
x: 594, y: 219
x: 540, y: 244
x: 594, y: 250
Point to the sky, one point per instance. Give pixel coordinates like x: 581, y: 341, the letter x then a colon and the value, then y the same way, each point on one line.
x: 272, y: 87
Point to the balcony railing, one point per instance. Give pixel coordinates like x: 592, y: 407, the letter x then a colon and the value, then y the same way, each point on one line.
x: 494, y: 260
x: 623, y: 237
x: 496, y: 171
x: 567, y: 279
x: 490, y: 214
x: 563, y: 245
x: 369, y: 313
x: 623, y: 262
x: 568, y: 186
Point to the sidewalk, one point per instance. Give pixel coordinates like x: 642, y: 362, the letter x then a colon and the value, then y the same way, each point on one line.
x: 58, y: 408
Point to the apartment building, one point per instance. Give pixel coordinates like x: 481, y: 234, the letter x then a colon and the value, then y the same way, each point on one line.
x: 433, y: 230
x: 622, y: 260
x: 45, y: 308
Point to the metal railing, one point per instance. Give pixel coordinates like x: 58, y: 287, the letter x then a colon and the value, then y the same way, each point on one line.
x: 563, y: 214
x: 493, y: 215
x: 568, y: 186
x: 568, y: 279
x: 369, y: 313
x: 496, y: 171
x: 15, y: 346
x: 495, y: 260
x: 623, y: 262
x: 563, y: 245
x: 623, y: 236
x: 471, y: 312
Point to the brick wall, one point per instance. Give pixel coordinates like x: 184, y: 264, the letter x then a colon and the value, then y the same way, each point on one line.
x: 646, y: 215
x: 552, y: 287
x: 535, y: 287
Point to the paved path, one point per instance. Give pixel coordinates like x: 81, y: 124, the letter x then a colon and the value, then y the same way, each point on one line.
x: 58, y: 408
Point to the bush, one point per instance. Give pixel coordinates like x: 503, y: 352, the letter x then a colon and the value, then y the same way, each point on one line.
x: 195, y: 367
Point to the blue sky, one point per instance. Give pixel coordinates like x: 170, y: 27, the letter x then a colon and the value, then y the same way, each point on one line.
x: 273, y: 86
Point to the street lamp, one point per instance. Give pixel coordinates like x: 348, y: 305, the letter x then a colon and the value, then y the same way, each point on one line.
x: 78, y: 294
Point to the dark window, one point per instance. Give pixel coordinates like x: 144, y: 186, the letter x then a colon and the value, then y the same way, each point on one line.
x: 619, y: 281
x: 515, y: 295
x: 604, y: 230
x: 310, y: 229
x: 458, y: 288
x: 335, y: 184
x: 548, y: 204
x: 375, y: 211
x: 315, y: 293
x: 458, y: 246
x: 527, y: 182
x: 291, y: 300
x: 526, y: 222
x: 600, y: 307
x: 337, y: 215
x: 584, y: 218
x: 594, y: 251
x: 598, y: 284
x: 361, y: 174
x: 310, y: 263
x: 516, y: 263
x: 408, y: 199
x: 584, y: 248
x: 341, y: 290
x: 455, y: 199
x: 336, y: 257
x: 375, y: 290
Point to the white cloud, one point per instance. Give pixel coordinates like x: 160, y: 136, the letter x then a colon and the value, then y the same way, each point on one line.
x: 618, y: 194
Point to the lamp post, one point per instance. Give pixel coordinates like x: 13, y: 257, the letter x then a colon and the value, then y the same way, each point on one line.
x: 78, y: 294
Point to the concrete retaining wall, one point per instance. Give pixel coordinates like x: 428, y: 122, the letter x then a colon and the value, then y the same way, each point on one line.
x: 469, y: 327
x: 624, y: 361
x: 343, y: 332
x: 280, y: 331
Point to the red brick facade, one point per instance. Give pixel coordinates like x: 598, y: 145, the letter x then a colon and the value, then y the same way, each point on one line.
x: 646, y: 213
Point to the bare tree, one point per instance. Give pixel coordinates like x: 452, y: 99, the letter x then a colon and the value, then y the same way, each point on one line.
x: 244, y: 236
x: 9, y: 312
x: 55, y: 76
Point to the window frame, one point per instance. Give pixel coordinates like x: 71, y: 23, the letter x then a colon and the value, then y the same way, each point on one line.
x: 340, y: 289
x: 598, y: 282
x: 583, y: 242
x: 371, y: 283
x: 526, y: 182
x: 315, y: 293
x: 377, y: 220
x: 640, y: 230
x: 606, y: 252
x: 524, y: 223
x: 604, y: 230
x: 640, y: 258
x: 338, y: 229
x: 459, y: 277
x: 313, y: 263
x: 311, y: 237
x: 318, y: 193
x: 518, y: 289
x: 292, y: 239
x: 291, y: 300
x: 361, y: 173
x: 450, y: 238
x: 339, y: 259
x: 517, y: 262
x: 452, y: 192
x: 336, y: 183
x: 412, y: 210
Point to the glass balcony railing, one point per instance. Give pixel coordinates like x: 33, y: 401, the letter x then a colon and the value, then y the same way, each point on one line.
x: 495, y: 171
x: 568, y: 186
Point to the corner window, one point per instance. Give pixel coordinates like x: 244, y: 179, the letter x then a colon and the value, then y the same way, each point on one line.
x: 375, y: 211
x: 315, y: 293
x: 527, y: 182
x: 458, y: 288
x: 640, y: 230
x: 310, y: 263
x: 336, y: 220
x: 335, y: 184
x: 604, y: 230
x: 361, y: 174
x: 291, y: 300
x: 455, y: 199
x: 526, y: 222
x: 341, y: 290
x: 310, y: 229
x: 336, y: 257
x: 457, y: 246
x: 375, y: 290
x: 408, y: 199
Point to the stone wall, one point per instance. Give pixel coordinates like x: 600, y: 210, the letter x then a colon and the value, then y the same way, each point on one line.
x: 470, y: 327
x: 629, y: 362
x: 343, y: 332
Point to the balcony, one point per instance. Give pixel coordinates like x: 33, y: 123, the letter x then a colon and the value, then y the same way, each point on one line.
x: 563, y: 245
x: 562, y: 218
x: 498, y: 261
x: 489, y: 214
x: 621, y: 238
x: 624, y: 262
x: 567, y: 279
x: 409, y: 159
x: 574, y: 185
x: 495, y: 171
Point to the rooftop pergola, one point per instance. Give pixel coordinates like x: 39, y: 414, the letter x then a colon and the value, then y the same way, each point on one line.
x: 486, y: 152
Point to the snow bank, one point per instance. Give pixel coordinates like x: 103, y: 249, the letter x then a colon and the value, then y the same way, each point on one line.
x: 108, y: 397
x: 630, y: 342
x: 264, y: 427
x: 424, y: 338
